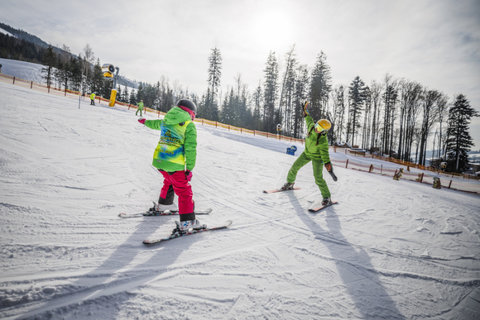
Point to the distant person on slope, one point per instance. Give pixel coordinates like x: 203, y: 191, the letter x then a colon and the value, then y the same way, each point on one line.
x: 92, y: 99
x: 139, y: 108
x: 316, y: 150
x: 175, y: 158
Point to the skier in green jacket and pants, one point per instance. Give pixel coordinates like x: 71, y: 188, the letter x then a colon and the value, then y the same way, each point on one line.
x: 139, y: 108
x: 316, y: 150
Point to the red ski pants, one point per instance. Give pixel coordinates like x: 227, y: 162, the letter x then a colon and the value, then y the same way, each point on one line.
x: 182, y: 189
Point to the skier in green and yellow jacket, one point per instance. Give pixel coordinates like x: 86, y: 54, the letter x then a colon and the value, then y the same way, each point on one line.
x: 316, y: 150
x: 139, y: 108
x: 175, y: 157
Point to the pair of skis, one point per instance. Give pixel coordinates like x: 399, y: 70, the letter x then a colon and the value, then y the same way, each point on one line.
x: 313, y: 209
x: 201, y: 212
x: 175, y: 235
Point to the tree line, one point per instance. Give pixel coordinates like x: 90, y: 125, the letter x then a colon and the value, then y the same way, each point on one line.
x: 393, y: 117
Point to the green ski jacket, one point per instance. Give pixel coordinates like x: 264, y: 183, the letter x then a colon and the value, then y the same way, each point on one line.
x: 177, y: 147
x: 316, y: 144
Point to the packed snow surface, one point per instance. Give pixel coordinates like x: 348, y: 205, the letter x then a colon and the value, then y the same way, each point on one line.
x: 388, y: 250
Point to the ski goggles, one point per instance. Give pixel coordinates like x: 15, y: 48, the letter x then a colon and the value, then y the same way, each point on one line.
x: 319, y: 128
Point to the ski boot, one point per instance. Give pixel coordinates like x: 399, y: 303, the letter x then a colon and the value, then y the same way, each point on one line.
x: 163, y: 207
x: 326, y: 202
x: 287, y: 186
x: 188, y: 225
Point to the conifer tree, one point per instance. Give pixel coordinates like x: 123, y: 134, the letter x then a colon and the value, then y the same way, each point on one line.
x: 356, y: 95
x: 287, y: 106
x: 270, y: 93
x: 257, y: 108
x: 97, y: 80
x: 338, y: 112
x: 49, y: 61
x: 209, y: 107
x: 459, y: 141
x: 301, y: 95
x: 320, y: 87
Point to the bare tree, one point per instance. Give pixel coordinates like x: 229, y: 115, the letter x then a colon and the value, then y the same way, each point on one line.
x: 430, y: 109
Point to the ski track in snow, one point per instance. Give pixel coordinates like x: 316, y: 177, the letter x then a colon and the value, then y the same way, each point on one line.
x: 389, y: 250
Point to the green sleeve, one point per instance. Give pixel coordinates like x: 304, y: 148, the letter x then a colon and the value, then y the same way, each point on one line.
x: 154, y: 124
x: 324, y: 149
x: 191, y: 146
x: 310, y: 123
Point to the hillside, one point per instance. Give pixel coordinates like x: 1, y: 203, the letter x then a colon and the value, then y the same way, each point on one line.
x: 389, y: 250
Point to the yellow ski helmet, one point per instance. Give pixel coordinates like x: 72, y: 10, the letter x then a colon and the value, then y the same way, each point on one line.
x: 322, y: 125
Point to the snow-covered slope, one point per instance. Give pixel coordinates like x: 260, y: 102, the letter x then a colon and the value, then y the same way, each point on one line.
x: 6, y: 32
x: 23, y: 70
x: 389, y: 250
x: 33, y: 72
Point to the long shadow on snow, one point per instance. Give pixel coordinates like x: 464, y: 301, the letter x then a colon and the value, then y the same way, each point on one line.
x: 354, y: 266
x: 98, y: 286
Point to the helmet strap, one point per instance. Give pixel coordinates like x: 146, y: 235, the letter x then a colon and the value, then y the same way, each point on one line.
x: 190, y: 112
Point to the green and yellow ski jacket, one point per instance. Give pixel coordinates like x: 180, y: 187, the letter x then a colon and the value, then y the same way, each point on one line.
x: 177, y: 147
x: 316, y: 144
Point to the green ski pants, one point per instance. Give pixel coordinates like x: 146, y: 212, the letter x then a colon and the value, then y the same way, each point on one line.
x: 317, y: 164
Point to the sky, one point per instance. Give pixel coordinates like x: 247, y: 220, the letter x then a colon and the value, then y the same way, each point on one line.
x: 433, y: 42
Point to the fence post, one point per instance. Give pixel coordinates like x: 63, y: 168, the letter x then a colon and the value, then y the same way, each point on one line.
x: 371, y: 168
x: 346, y: 164
x: 13, y: 80
x: 420, y: 177
x: 31, y: 84
x: 254, y: 132
x: 450, y: 184
x: 48, y: 88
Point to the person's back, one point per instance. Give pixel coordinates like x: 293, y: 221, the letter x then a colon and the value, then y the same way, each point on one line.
x: 175, y: 157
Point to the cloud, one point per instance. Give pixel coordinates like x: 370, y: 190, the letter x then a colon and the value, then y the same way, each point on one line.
x: 433, y: 42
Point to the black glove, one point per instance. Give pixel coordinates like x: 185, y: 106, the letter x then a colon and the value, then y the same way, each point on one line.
x: 329, y: 168
x: 188, y: 175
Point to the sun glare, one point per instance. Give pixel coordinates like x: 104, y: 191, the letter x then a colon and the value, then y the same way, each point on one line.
x: 272, y: 28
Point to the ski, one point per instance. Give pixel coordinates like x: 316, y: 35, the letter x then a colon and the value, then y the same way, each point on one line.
x: 280, y: 190
x: 320, y: 208
x: 149, y: 242
x: 159, y: 213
